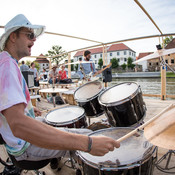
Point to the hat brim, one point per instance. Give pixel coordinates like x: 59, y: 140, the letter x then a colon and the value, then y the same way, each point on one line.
x: 38, y: 30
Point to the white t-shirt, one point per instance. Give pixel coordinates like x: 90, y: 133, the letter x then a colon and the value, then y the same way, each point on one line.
x: 13, y: 90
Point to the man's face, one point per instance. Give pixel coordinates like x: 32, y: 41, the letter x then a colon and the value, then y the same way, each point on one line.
x: 24, y: 43
x: 88, y: 57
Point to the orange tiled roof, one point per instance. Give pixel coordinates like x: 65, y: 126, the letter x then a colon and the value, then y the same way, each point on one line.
x: 113, y: 47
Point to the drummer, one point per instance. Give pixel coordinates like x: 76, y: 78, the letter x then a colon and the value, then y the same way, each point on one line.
x: 87, y: 67
x: 25, y: 137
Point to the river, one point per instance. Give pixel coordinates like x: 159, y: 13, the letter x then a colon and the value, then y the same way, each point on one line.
x: 149, y: 85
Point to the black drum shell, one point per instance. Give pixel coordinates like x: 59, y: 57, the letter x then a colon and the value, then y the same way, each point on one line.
x: 145, y: 168
x: 81, y: 123
x: 89, y: 109
x: 123, y: 115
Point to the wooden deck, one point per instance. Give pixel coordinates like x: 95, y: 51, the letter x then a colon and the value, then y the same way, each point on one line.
x: 154, y: 106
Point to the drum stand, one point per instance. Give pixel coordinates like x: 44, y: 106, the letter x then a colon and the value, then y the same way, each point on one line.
x: 166, y: 169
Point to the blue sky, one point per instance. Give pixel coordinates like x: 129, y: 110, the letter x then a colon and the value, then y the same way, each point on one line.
x: 101, y: 20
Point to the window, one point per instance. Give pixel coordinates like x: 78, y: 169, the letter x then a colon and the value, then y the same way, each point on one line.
x: 101, y: 55
x: 95, y: 56
x: 118, y: 53
x: 43, y: 64
x: 110, y: 54
x: 149, y: 64
x: 118, y: 59
x: 124, y: 52
x: 172, y: 61
x: 125, y: 59
x: 95, y: 61
x: 129, y: 53
x: 157, y: 63
x: 166, y: 61
x: 121, y: 59
x: 80, y: 59
x: 47, y: 64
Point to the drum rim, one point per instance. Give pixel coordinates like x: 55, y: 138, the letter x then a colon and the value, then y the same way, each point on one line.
x: 120, y: 101
x: 88, y: 99
x: 116, y: 168
x: 67, y: 122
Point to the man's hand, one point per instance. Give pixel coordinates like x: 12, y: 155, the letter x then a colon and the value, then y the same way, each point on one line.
x: 37, y: 111
x: 102, y: 145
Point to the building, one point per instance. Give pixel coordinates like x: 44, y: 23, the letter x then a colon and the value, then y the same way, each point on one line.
x: 43, y: 62
x: 153, y: 65
x: 170, y: 59
x: 118, y: 51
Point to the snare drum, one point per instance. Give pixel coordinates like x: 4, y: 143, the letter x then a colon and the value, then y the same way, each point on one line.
x: 69, y: 116
x: 136, y: 156
x: 123, y: 104
x: 87, y: 97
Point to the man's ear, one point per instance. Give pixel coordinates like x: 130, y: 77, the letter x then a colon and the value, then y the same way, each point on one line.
x: 13, y: 37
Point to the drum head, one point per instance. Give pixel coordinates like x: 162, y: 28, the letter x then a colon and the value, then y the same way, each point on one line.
x: 131, y: 151
x: 118, y: 93
x: 64, y: 115
x: 88, y: 91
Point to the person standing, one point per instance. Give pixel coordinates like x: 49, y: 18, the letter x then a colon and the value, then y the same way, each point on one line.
x: 24, y: 67
x: 86, y: 68
x: 36, y: 77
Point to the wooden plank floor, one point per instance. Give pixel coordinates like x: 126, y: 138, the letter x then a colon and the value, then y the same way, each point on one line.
x: 154, y: 106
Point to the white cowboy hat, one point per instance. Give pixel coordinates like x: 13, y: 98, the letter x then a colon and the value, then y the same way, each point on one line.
x: 54, y: 65
x: 16, y: 23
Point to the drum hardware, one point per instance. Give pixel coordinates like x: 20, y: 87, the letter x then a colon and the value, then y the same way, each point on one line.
x: 133, y: 110
x: 166, y: 169
x: 111, y: 118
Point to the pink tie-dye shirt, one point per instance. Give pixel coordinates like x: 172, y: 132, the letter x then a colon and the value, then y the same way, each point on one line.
x: 13, y: 90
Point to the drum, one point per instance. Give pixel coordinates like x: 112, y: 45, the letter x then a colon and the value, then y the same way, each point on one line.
x: 87, y: 97
x: 123, y: 104
x: 69, y: 116
x: 136, y: 156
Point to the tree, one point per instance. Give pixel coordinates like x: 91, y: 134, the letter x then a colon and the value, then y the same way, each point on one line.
x: 100, y: 63
x: 167, y: 40
x: 72, y: 65
x: 56, y: 50
x: 114, y: 62
x: 76, y: 67
x: 123, y: 66
x: 129, y: 63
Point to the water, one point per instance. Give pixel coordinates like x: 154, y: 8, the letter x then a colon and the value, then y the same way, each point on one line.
x: 149, y: 85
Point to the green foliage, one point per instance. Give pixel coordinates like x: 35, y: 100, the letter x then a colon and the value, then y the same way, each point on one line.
x: 129, y: 63
x: 114, y: 62
x: 76, y: 67
x: 72, y: 65
x: 100, y: 63
x: 56, y: 50
x: 37, y: 65
x: 123, y: 66
x: 167, y: 40
x: 28, y: 63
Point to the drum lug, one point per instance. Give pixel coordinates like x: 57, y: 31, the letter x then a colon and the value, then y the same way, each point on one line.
x: 95, y: 112
x: 111, y: 117
x: 133, y: 110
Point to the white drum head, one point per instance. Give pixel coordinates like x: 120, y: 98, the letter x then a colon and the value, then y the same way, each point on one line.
x: 88, y: 91
x: 64, y: 115
x: 132, y: 150
x: 118, y: 93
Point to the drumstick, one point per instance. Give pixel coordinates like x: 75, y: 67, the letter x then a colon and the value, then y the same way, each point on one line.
x: 144, y: 125
x: 48, y: 110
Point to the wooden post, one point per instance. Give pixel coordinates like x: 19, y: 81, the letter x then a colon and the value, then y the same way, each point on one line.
x: 163, y: 78
x: 69, y: 65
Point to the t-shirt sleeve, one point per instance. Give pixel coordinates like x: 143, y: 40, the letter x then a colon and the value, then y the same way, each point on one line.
x: 11, y: 90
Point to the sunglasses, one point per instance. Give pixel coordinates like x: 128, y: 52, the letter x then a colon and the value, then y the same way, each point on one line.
x: 30, y: 35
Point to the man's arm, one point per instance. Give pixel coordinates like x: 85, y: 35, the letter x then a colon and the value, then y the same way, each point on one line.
x: 46, y: 136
